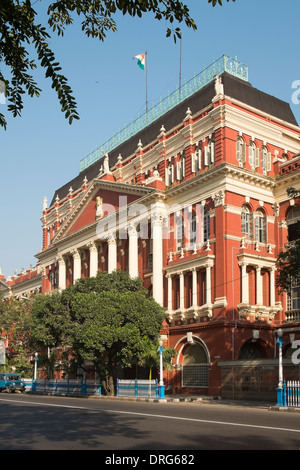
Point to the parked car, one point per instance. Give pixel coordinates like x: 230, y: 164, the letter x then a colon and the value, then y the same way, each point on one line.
x: 11, y: 383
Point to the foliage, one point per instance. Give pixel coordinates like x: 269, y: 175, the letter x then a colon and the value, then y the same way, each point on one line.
x: 288, y: 266
x: 288, y: 262
x: 15, y: 323
x: 19, y: 28
x: 220, y: 2
x: 151, y: 358
x: 48, y: 320
x: 112, y: 321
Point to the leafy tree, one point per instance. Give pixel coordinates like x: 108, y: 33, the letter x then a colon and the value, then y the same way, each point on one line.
x: 288, y: 262
x: 151, y: 359
x: 113, y: 321
x: 19, y: 28
x: 15, y: 321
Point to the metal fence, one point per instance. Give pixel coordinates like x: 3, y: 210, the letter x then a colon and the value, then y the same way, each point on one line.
x: 137, y: 388
x: 66, y: 387
x: 291, y: 391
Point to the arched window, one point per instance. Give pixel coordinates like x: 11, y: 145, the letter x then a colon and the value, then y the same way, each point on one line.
x: 265, y: 159
x: 246, y: 226
x: 193, y: 228
x: 240, y: 151
x: 206, y: 225
x: 179, y: 233
x: 293, y: 223
x: 252, y: 350
x: 252, y: 149
x: 260, y: 226
x: 209, y: 153
x: 195, y: 366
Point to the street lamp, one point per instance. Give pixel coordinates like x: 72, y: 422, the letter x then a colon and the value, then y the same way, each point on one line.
x: 161, y: 388
x: 35, y: 365
x: 280, y: 394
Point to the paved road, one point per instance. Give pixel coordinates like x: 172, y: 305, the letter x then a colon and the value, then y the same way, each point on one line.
x: 32, y: 422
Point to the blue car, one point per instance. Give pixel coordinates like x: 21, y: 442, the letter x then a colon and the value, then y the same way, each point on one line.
x: 11, y: 383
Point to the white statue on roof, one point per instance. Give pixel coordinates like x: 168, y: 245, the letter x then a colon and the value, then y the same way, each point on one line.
x: 106, y: 163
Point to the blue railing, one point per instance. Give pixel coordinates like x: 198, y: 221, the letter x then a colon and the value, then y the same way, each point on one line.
x: 223, y: 64
x: 66, y: 387
x: 289, y: 394
x: 137, y: 388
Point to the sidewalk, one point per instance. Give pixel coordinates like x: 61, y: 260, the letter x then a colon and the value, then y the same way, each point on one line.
x: 177, y: 398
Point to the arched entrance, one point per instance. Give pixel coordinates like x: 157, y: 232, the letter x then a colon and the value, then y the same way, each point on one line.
x: 195, y: 366
x: 252, y: 350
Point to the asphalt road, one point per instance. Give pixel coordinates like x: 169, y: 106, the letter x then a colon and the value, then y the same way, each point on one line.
x: 31, y: 422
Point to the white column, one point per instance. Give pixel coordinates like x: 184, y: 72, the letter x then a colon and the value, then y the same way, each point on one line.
x: 112, y: 254
x: 157, y: 273
x: 93, y: 259
x: 258, y: 285
x: 272, y: 286
x: 133, y: 252
x: 170, y: 302
x: 61, y: 273
x: 208, y: 284
x: 244, y: 283
x: 194, y: 287
x: 181, y: 290
x: 76, y: 265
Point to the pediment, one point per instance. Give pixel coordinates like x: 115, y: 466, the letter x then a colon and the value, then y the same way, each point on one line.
x: 110, y: 194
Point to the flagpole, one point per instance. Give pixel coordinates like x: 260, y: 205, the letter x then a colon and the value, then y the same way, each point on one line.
x: 146, y: 64
x: 180, y: 71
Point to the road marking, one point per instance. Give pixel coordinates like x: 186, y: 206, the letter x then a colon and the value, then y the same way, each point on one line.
x: 150, y: 415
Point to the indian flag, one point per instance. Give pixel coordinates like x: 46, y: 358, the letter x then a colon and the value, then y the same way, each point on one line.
x: 140, y: 60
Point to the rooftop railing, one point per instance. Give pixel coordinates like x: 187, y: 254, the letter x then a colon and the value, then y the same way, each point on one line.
x: 223, y: 64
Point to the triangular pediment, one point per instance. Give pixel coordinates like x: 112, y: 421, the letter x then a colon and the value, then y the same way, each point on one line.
x: 109, y: 194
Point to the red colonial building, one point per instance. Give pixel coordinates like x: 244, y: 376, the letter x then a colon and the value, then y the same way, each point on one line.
x: 192, y: 198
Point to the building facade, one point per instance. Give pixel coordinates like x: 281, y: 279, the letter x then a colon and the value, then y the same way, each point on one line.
x: 195, y: 204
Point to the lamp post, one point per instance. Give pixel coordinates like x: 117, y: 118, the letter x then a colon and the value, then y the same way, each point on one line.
x: 280, y: 394
x: 35, y: 365
x: 161, y: 388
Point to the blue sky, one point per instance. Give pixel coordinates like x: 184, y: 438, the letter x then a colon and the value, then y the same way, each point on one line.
x: 40, y: 151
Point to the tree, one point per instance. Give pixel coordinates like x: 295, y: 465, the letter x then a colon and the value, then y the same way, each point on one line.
x: 112, y: 321
x: 151, y: 359
x: 15, y: 321
x: 19, y: 28
x: 288, y: 262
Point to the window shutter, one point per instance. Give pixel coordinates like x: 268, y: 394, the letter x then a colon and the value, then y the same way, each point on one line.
x: 206, y: 155
x: 265, y: 230
x: 193, y: 162
x: 238, y: 150
x: 199, y: 158
x: 167, y: 176
x: 251, y: 226
x: 244, y: 152
x: 172, y: 174
x: 212, y: 151
x: 251, y: 156
x: 183, y: 167
x: 256, y: 165
x: 178, y: 170
x: 269, y: 161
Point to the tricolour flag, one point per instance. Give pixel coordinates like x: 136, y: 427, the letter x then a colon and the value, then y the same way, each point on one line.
x: 140, y: 60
